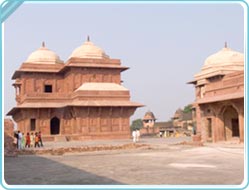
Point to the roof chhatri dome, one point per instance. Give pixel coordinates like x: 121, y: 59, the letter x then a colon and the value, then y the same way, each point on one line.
x: 224, y: 56
x: 43, y: 55
x: 149, y: 116
x: 178, y: 113
x: 226, y: 59
x: 89, y: 50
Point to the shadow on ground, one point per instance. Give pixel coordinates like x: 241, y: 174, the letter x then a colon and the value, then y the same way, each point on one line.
x: 36, y: 170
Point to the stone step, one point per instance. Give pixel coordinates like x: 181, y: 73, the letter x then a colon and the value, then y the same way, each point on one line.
x: 60, y: 138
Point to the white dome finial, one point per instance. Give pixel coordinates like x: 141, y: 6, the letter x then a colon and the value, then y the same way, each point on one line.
x: 225, y: 44
x: 43, y: 56
x: 89, y: 50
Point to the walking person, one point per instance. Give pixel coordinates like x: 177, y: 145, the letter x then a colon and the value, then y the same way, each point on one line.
x: 27, y: 140
x: 134, y: 136
x: 40, y: 138
x: 23, y: 141
x: 16, y: 139
x: 137, y: 135
x: 32, y: 140
x: 36, y: 140
x: 19, y: 140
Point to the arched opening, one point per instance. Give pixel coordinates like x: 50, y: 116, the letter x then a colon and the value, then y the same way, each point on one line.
x: 209, y: 129
x: 231, y: 123
x: 209, y: 123
x: 55, y: 126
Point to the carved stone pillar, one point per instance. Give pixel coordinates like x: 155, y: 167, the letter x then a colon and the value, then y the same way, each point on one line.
x: 215, y: 129
x: 198, y: 120
x: 88, y: 120
x: 98, y: 120
x: 23, y: 90
x: 120, y: 119
x: 241, y: 126
x: 109, y: 121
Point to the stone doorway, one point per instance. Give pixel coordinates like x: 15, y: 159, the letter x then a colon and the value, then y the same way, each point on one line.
x: 231, y: 123
x: 55, y: 126
x: 209, y: 129
x: 235, y: 127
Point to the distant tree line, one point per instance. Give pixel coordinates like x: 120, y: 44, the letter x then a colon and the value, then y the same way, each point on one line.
x: 136, y: 124
x: 187, y: 109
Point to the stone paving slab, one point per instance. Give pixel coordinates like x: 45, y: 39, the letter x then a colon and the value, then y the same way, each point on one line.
x: 163, y: 163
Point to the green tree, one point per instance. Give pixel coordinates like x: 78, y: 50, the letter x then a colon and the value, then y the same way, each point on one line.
x: 136, y: 124
x: 187, y: 108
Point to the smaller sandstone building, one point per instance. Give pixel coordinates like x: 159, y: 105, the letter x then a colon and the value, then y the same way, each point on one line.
x: 149, y: 124
x: 80, y: 99
x: 219, y: 103
x: 183, y: 120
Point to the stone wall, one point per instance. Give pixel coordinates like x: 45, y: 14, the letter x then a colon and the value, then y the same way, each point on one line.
x: 9, y: 146
x: 80, y: 123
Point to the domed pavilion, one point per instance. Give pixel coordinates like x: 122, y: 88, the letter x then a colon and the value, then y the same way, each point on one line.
x: 80, y: 99
x: 219, y: 104
x: 149, y: 119
x: 149, y: 124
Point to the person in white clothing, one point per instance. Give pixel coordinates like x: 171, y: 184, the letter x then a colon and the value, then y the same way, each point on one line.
x: 32, y: 140
x: 19, y: 141
x: 137, y: 135
x: 134, y: 136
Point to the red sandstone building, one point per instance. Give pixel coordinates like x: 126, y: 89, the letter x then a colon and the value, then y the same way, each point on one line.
x: 219, y: 104
x: 148, y: 124
x: 80, y: 99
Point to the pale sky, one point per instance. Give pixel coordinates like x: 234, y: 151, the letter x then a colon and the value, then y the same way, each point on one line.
x: 163, y: 44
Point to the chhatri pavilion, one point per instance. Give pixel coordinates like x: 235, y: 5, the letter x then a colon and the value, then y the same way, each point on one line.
x: 219, y: 103
x: 81, y: 99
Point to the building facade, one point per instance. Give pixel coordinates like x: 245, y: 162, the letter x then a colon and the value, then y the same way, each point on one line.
x: 219, y: 105
x: 149, y: 124
x: 183, y: 119
x: 81, y: 99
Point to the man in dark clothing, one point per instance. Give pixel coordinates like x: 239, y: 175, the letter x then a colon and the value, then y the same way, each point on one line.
x: 16, y: 136
x: 40, y: 138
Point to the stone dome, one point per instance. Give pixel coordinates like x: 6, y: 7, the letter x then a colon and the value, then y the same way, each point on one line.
x: 149, y: 116
x: 90, y: 51
x: 43, y: 56
x: 178, y: 113
x: 225, y: 59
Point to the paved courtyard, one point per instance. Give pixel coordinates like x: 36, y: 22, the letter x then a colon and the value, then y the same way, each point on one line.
x: 163, y: 162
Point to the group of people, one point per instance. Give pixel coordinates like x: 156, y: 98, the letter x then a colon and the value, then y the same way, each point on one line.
x: 135, y: 135
x: 29, y: 140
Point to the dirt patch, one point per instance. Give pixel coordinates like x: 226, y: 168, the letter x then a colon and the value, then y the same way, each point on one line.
x: 61, y: 151
x: 191, y: 143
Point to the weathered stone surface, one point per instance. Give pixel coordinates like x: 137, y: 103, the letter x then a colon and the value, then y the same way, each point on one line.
x: 192, y: 143
x: 61, y: 151
x: 9, y: 146
x: 167, y: 164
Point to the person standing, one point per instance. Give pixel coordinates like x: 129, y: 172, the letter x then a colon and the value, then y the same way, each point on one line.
x: 16, y: 139
x: 134, y: 136
x: 23, y: 141
x: 27, y: 140
x: 36, y: 140
x: 40, y: 138
x: 19, y: 141
x: 137, y: 135
x: 32, y: 139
